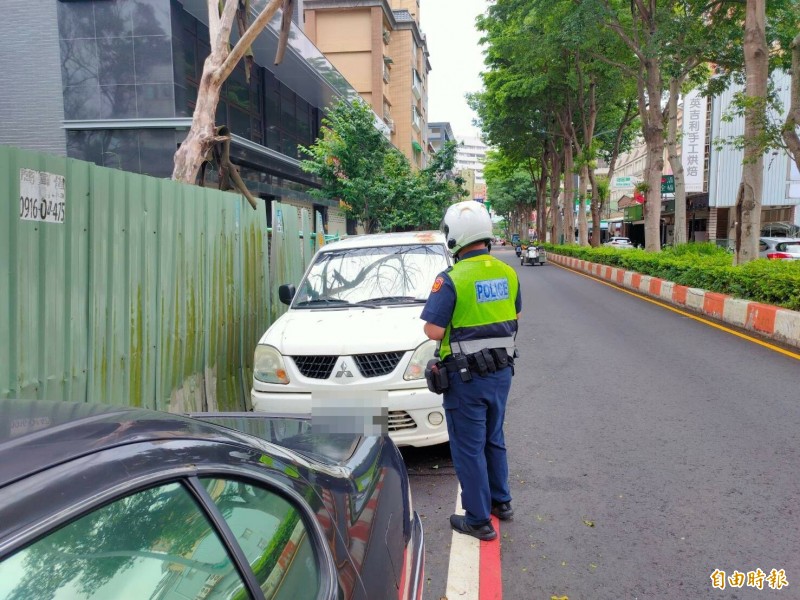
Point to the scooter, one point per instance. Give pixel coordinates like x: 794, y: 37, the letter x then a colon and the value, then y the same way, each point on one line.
x: 532, y: 255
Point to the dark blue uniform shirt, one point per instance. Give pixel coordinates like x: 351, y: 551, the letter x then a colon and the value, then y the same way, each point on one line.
x: 442, y: 300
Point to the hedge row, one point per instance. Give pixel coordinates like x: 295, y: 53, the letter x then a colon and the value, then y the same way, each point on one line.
x: 703, y: 266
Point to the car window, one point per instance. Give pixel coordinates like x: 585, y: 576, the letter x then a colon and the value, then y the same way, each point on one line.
x: 272, y: 536
x: 762, y: 246
x: 155, y: 544
x: 387, y: 273
x: 793, y: 247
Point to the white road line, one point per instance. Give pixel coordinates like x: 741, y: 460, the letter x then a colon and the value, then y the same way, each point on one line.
x: 463, y: 573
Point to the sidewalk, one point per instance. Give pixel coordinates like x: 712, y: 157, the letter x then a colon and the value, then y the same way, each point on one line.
x: 779, y: 324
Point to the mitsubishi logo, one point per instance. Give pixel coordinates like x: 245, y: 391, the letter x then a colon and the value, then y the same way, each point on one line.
x: 343, y: 371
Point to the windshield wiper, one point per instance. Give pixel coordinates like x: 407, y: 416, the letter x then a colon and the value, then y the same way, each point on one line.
x: 327, y: 302
x: 392, y: 300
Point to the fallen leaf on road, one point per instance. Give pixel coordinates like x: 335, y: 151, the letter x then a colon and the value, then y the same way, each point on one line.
x: 435, y: 467
x: 559, y: 598
x: 588, y: 523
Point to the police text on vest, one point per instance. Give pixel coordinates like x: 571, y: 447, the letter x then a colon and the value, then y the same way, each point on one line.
x: 491, y: 290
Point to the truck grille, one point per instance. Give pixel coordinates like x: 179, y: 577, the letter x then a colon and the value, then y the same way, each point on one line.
x: 400, y: 419
x: 375, y: 365
x: 315, y: 367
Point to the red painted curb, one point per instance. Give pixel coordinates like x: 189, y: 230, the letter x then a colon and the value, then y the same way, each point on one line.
x: 679, y: 293
x: 772, y: 321
x: 655, y: 286
x: 714, y: 304
x: 761, y: 317
x: 491, y: 578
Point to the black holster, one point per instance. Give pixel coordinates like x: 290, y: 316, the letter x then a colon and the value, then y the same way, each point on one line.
x: 461, y: 366
x: 436, y: 376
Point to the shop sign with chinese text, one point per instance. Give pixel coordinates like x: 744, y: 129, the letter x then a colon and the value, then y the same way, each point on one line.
x: 694, y: 140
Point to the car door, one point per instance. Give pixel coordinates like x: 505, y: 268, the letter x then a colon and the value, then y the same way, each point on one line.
x: 215, y: 534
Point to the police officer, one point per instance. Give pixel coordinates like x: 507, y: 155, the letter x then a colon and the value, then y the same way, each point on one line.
x: 473, y: 309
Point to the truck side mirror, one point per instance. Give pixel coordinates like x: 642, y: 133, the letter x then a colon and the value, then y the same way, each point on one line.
x: 286, y: 293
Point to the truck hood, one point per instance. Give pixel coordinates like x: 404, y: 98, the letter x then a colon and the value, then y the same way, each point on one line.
x: 347, y: 331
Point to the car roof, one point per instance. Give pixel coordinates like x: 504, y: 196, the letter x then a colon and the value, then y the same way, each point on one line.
x: 791, y: 240
x: 37, y: 434
x: 387, y: 239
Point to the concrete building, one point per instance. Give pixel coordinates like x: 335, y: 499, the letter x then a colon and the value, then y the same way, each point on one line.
x: 380, y: 49
x: 440, y: 133
x: 468, y: 175
x: 471, y: 155
x: 628, y: 171
x: 115, y: 82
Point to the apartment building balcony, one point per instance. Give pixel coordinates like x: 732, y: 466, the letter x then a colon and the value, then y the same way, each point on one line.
x: 416, y: 119
x: 416, y: 85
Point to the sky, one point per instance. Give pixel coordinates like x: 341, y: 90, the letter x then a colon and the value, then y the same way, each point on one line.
x: 456, y: 60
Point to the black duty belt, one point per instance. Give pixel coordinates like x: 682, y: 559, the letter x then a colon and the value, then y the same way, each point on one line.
x: 488, y: 360
x: 483, y: 362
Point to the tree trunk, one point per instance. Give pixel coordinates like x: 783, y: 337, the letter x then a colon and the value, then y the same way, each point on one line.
x: 555, y: 190
x: 569, y: 193
x: 653, y: 129
x: 195, y: 149
x: 589, y: 119
x: 675, y: 160
x: 515, y: 222
x: 748, y: 199
x: 596, y: 207
x: 793, y: 117
x: 541, y: 194
x: 217, y: 67
x: 583, y: 226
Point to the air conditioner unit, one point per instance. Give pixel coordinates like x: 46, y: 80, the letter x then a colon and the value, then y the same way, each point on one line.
x: 390, y: 123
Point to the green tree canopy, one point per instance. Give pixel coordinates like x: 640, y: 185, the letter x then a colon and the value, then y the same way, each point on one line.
x: 374, y: 181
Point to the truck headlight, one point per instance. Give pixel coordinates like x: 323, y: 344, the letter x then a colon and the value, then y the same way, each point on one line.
x: 268, y: 365
x: 419, y: 360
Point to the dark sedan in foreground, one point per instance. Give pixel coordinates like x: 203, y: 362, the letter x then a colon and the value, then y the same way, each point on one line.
x: 106, y: 502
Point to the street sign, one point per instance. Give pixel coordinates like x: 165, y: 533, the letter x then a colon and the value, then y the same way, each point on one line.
x: 624, y: 182
x: 667, y: 184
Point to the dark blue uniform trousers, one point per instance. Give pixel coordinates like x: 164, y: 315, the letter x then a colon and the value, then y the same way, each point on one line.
x: 475, y: 412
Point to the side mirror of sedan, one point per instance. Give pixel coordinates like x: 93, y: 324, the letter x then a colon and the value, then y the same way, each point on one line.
x: 286, y: 293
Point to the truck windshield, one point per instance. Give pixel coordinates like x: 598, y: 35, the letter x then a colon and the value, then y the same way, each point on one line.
x: 390, y: 275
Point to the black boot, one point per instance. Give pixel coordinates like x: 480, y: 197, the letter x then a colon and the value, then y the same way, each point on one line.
x: 502, y: 510
x: 482, y: 532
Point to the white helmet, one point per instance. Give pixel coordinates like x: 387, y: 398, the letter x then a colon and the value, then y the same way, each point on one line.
x: 465, y: 223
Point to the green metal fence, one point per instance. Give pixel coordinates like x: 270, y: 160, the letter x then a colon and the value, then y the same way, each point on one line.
x: 133, y: 290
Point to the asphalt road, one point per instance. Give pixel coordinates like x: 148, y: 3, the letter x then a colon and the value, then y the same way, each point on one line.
x: 646, y: 450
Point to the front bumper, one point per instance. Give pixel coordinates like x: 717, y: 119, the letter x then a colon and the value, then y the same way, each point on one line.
x: 416, y: 415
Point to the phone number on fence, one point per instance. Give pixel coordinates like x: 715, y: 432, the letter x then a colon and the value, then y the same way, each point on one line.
x: 34, y: 209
